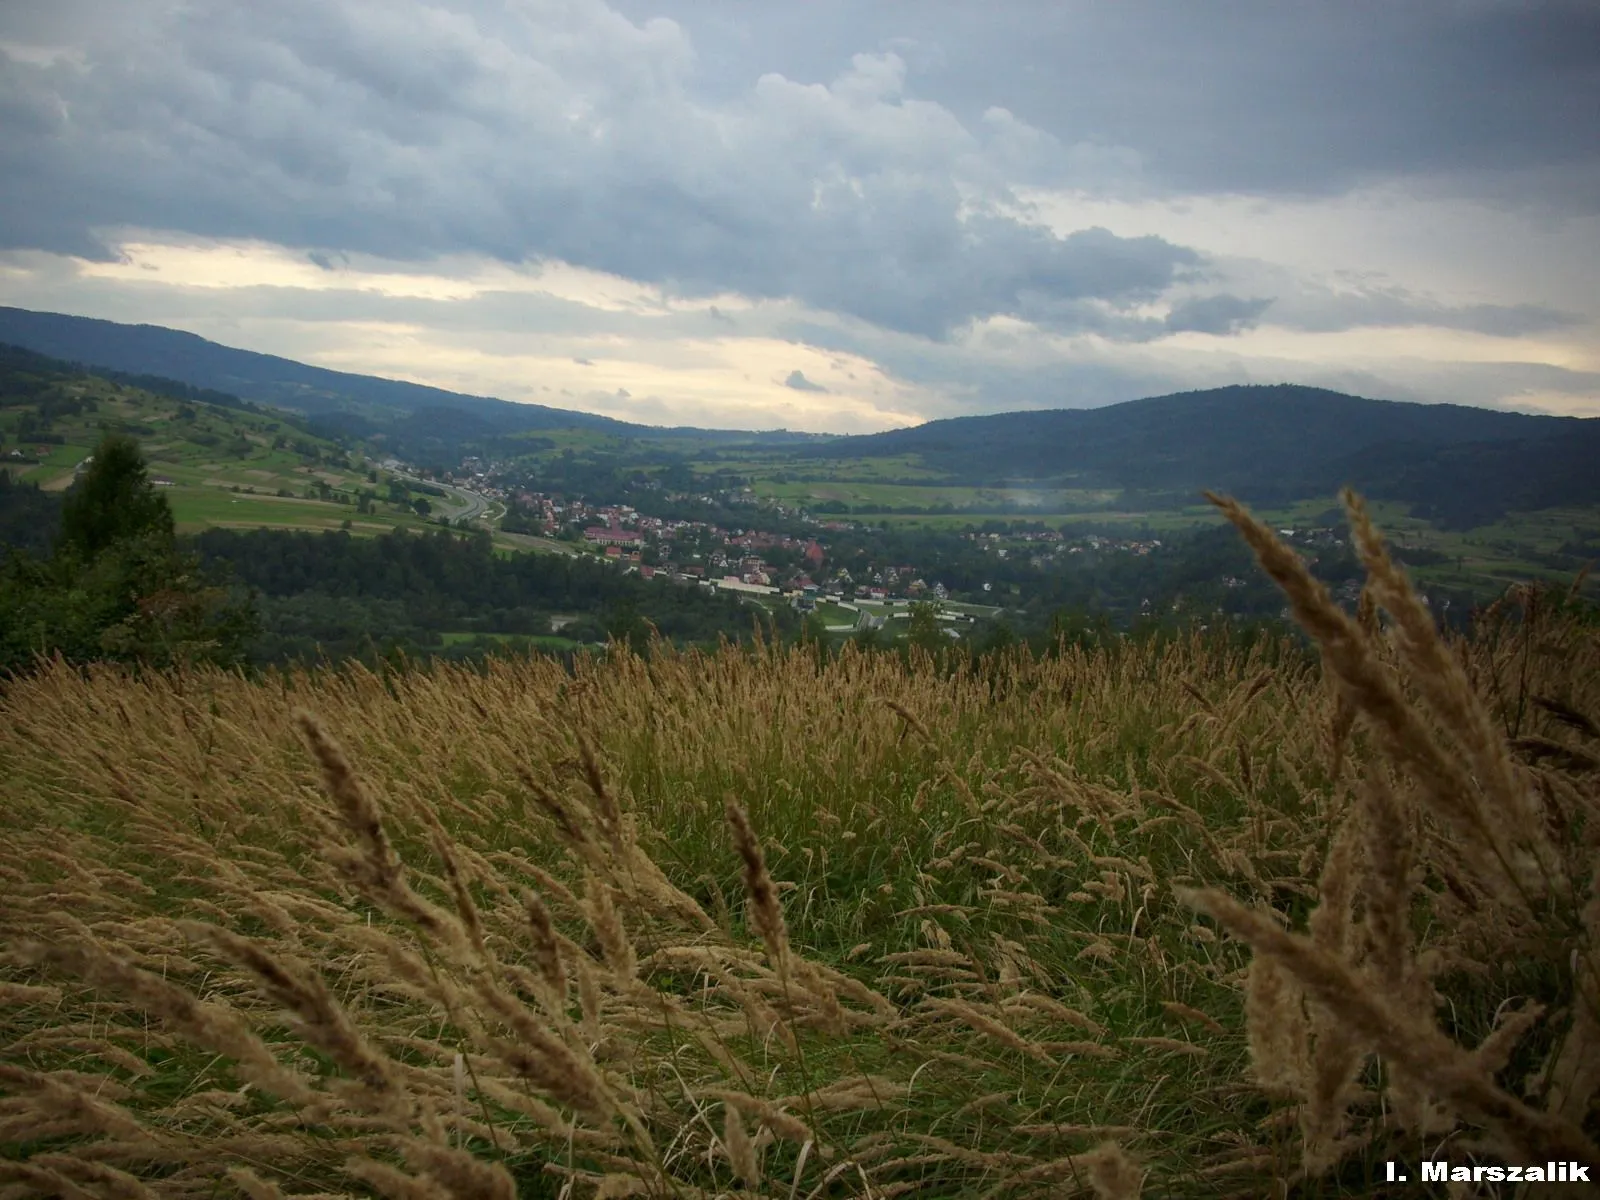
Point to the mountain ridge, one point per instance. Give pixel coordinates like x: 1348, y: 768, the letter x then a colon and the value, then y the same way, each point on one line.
x: 283, y: 382
x: 1265, y: 443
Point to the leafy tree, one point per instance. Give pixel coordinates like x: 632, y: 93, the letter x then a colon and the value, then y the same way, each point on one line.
x: 113, y: 500
x: 868, y: 637
x: 625, y: 625
x: 117, y: 586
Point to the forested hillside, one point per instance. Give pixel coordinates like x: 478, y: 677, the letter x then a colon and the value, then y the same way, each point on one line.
x: 333, y: 594
x: 1271, y: 444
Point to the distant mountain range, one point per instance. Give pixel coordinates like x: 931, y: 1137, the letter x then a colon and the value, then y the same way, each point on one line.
x: 339, y: 401
x: 1268, y: 444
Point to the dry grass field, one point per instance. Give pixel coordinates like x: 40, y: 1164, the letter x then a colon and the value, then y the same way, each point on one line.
x: 1163, y: 920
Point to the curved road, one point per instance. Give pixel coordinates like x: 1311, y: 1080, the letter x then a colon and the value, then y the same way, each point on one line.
x: 473, y: 506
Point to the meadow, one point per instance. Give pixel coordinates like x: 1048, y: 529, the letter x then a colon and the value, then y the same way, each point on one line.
x: 194, y: 509
x: 1189, y: 917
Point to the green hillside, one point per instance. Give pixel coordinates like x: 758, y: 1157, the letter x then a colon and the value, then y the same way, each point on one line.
x: 412, y: 421
x: 220, y: 464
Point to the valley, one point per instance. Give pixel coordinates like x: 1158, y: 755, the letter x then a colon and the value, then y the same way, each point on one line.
x: 1031, y: 519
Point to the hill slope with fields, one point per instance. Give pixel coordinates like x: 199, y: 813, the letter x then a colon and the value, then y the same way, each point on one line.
x: 265, y: 378
x: 220, y: 461
x: 408, y: 419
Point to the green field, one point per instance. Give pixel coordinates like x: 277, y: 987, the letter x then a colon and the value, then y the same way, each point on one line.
x: 527, y: 541
x: 982, y: 611
x: 542, y: 641
x: 1488, y: 557
x: 763, y: 467
x: 832, y: 614
x: 196, y: 508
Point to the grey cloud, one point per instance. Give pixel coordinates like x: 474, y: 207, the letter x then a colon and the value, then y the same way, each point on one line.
x: 965, y: 383
x: 583, y: 362
x: 1221, y: 314
x: 872, y: 211
x: 1324, y: 310
x: 800, y: 383
x: 407, y: 131
x: 1483, y: 98
x: 656, y: 410
x: 1508, y: 320
x: 1496, y: 384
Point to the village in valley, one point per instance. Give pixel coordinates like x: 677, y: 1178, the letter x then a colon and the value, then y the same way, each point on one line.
x: 772, y: 553
x: 766, y: 567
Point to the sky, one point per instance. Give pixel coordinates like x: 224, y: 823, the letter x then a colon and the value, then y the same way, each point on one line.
x: 820, y: 215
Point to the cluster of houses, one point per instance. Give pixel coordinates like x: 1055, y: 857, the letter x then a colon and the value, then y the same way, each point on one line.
x: 1043, y: 546
x: 626, y: 529
x: 736, y: 564
x: 727, y: 560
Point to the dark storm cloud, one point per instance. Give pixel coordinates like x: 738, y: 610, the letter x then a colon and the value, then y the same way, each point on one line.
x: 866, y: 168
x: 409, y: 131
